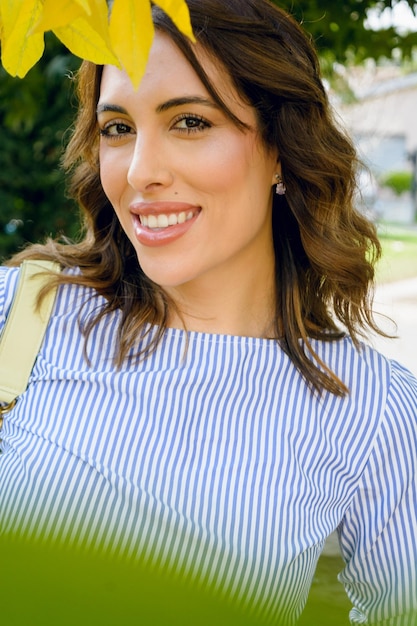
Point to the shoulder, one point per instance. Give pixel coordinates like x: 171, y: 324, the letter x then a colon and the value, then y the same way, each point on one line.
x: 400, y: 418
x: 356, y: 364
x: 73, y: 297
x: 70, y: 296
x: 377, y: 384
x: 397, y: 384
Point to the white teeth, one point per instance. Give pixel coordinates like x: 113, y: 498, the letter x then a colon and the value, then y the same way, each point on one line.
x: 163, y: 220
x: 152, y: 221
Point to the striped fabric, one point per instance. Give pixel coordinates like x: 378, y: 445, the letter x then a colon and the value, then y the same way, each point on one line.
x: 214, y: 454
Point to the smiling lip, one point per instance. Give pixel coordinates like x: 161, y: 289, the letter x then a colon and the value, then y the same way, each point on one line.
x: 161, y: 223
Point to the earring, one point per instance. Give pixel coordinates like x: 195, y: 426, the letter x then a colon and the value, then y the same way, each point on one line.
x: 280, y: 188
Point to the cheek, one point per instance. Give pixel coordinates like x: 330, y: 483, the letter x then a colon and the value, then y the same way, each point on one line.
x: 234, y: 167
x: 113, y: 175
x: 222, y: 164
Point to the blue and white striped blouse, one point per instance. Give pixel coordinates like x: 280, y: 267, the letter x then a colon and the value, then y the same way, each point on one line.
x: 213, y: 453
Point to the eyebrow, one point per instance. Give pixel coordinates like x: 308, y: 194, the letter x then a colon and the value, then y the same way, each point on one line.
x: 165, y: 106
x: 176, y: 102
x: 114, y: 108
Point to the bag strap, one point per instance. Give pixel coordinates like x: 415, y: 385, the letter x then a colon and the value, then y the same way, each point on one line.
x: 25, y: 327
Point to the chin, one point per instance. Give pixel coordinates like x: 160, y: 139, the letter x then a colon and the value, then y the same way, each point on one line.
x: 166, y: 278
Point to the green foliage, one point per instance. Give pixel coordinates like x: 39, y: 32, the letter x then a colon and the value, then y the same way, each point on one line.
x: 339, y: 33
x: 52, y: 585
x: 35, y: 114
x: 399, y: 182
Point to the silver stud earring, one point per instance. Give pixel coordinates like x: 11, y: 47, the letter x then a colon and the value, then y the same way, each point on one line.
x: 280, y: 188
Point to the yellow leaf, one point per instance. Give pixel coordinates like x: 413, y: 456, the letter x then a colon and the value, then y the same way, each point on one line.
x: 9, y: 14
x: 99, y: 19
x: 178, y: 12
x: 64, y: 14
x: 20, y: 48
x: 85, y: 4
x: 131, y: 35
x: 84, y: 40
x: 56, y: 14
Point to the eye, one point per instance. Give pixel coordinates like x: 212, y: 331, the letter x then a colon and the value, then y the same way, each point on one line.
x: 116, y: 129
x: 188, y: 123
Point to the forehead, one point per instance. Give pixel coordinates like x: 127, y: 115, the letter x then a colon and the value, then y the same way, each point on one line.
x: 165, y: 65
x: 169, y: 73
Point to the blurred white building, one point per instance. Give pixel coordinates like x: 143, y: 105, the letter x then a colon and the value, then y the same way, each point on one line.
x: 383, y: 123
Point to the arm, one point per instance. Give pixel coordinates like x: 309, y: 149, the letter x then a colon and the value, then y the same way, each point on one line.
x: 378, y: 534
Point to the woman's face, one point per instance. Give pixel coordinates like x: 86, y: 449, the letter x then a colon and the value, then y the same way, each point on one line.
x: 191, y: 190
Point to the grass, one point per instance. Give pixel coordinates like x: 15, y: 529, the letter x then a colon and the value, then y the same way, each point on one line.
x: 328, y: 604
x: 399, y: 256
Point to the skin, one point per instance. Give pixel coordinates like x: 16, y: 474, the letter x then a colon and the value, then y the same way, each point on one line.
x: 159, y: 155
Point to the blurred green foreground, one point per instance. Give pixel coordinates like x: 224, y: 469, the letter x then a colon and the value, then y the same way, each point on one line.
x: 44, y: 585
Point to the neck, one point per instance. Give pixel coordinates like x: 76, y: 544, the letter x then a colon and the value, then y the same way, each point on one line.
x: 243, y: 306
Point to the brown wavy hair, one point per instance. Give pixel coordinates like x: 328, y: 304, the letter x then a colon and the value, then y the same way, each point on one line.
x: 325, y: 249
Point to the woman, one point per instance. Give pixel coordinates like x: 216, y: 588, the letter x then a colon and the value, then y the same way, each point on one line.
x: 196, y: 396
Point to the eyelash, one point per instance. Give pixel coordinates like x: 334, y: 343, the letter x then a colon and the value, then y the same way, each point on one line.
x: 202, y: 123
x: 107, y: 128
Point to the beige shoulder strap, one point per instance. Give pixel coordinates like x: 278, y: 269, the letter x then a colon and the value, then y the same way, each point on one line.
x: 25, y: 327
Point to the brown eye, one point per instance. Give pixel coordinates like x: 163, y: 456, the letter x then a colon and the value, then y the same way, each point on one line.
x: 116, y: 129
x: 191, y: 123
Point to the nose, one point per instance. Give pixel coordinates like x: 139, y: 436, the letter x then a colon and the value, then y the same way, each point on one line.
x: 148, y: 168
